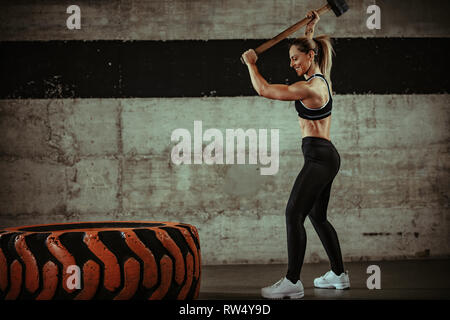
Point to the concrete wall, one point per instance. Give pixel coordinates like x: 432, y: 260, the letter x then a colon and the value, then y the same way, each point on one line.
x: 214, y: 19
x: 67, y: 160
x: 91, y: 159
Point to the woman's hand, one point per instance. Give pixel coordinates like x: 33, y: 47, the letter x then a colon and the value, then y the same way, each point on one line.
x: 250, y: 57
x: 314, y: 16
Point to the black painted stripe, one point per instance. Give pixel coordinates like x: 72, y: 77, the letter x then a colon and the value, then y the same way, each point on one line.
x: 117, y: 69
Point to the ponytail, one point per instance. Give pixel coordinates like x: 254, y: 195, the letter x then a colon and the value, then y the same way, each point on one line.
x: 324, y: 55
x: 323, y: 50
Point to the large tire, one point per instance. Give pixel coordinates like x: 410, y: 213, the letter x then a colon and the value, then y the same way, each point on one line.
x: 116, y: 260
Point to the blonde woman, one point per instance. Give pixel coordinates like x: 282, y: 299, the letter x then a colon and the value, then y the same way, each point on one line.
x: 312, y: 59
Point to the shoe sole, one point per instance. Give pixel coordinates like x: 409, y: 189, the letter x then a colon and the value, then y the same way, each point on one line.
x: 280, y: 296
x: 334, y: 286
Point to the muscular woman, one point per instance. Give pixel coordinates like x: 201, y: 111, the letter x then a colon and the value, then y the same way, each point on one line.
x: 312, y: 59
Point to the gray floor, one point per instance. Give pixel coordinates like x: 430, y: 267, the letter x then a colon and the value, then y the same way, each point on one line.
x: 404, y: 279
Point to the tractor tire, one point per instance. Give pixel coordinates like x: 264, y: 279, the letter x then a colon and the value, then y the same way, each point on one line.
x: 110, y: 260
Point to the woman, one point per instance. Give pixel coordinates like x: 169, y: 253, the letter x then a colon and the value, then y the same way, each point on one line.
x: 311, y: 58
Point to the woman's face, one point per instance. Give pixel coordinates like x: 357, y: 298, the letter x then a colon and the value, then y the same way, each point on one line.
x: 300, y: 61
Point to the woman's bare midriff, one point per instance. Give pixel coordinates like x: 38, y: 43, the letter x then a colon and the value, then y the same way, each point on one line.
x: 316, y: 128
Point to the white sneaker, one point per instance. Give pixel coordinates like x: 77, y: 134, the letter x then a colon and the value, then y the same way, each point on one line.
x: 284, y: 288
x: 332, y: 281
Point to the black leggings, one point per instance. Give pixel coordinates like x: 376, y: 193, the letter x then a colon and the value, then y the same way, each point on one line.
x: 310, y: 195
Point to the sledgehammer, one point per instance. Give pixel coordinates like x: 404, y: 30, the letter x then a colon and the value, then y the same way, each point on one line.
x: 338, y: 7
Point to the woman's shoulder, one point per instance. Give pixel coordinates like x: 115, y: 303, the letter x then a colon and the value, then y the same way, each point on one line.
x: 303, y: 86
x: 318, y: 82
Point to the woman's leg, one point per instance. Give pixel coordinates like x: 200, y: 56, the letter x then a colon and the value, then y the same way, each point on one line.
x: 309, y: 183
x: 326, y: 232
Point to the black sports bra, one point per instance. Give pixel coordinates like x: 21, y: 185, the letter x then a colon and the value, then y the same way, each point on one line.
x: 317, y: 113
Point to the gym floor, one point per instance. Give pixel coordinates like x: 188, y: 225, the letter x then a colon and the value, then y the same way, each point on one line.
x: 400, y: 280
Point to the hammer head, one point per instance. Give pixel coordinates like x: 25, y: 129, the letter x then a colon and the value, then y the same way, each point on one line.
x: 338, y: 6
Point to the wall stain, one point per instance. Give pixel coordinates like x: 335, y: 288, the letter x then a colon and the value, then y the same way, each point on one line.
x: 376, y: 233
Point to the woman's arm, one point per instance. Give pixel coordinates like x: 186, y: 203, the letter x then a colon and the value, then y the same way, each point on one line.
x: 297, y: 91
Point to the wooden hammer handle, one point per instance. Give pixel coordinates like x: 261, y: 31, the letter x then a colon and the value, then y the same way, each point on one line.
x: 283, y: 35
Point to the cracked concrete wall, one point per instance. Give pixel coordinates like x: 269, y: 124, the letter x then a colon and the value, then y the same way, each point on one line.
x: 109, y: 159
